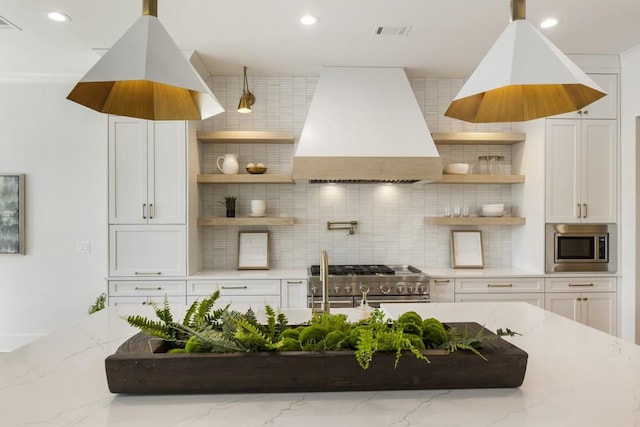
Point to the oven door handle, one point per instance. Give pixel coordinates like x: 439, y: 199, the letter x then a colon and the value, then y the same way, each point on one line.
x: 390, y: 300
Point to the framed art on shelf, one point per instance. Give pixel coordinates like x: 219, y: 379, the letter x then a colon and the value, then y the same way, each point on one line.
x: 12, y: 214
x: 253, y: 250
x: 466, y: 249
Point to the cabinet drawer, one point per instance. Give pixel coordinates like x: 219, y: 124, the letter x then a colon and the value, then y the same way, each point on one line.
x: 499, y: 284
x: 234, y: 287
x: 581, y: 284
x: 145, y: 300
x: 532, y: 298
x: 150, y: 287
x: 242, y: 303
x: 441, y: 290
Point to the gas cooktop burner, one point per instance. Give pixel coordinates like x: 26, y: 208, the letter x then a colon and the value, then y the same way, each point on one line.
x: 355, y: 270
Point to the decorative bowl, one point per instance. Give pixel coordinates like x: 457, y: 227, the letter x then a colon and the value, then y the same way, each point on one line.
x: 256, y: 169
x: 495, y: 207
x: 456, y: 168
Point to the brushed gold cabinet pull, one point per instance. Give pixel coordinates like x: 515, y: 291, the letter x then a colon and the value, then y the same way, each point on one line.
x: 579, y: 210
x: 491, y: 285
x: 148, y: 273
x: 581, y: 285
x: 144, y: 211
x: 149, y: 288
x: 584, y: 207
x: 233, y: 287
x: 294, y: 282
x: 152, y: 211
x: 441, y: 282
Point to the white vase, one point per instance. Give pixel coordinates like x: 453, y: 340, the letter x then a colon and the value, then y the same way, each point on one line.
x: 229, y: 164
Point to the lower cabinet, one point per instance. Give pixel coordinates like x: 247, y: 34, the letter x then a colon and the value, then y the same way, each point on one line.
x: 240, y: 294
x: 143, y: 292
x: 441, y: 290
x: 293, y: 293
x: 596, y: 306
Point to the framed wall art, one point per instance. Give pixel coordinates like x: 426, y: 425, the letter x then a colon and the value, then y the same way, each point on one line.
x: 253, y: 250
x: 466, y: 249
x: 12, y: 214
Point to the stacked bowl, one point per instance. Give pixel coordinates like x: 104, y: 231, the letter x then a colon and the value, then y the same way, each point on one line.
x: 494, y: 209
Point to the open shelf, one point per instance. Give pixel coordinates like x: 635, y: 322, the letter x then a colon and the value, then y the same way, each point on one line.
x: 246, y: 221
x: 245, y: 137
x: 480, y: 179
x: 474, y: 220
x: 477, y: 138
x: 245, y: 178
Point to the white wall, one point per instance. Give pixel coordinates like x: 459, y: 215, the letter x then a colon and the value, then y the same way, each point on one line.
x: 62, y: 149
x: 630, y: 111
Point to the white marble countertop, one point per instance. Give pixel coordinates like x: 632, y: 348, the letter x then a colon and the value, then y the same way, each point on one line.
x: 576, y: 376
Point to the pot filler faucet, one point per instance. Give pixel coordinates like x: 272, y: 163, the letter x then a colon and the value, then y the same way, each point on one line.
x: 324, y: 280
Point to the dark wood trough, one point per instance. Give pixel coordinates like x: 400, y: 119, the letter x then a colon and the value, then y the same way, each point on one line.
x: 140, y: 366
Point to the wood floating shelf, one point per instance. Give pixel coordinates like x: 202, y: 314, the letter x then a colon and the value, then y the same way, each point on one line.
x: 245, y: 137
x: 477, y: 138
x: 481, y: 179
x: 246, y: 221
x: 245, y: 178
x: 474, y: 220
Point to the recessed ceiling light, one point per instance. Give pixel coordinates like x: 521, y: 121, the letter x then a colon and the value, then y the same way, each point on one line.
x: 309, y: 20
x: 58, y: 16
x: 549, y: 22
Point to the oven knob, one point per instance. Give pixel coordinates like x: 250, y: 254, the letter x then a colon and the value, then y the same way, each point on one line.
x: 385, y: 288
x: 411, y: 287
x: 364, y: 288
x: 422, y: 288
x: 336, y: 289
x: 400, y: 287
x: 347, y: 289
x: 314, y: 289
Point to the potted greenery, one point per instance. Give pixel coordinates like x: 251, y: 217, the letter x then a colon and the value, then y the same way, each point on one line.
x: 230, y: 204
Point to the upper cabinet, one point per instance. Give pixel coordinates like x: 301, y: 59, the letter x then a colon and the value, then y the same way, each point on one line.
x: 147, y: 171
x: 604, y: 108
x: 581, y: 171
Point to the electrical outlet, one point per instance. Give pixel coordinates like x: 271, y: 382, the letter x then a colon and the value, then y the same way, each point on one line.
x: 83, y: 247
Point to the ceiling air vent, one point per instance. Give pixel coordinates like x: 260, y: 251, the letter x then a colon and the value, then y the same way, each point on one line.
x: 5, y: 24
x: 391, y: 30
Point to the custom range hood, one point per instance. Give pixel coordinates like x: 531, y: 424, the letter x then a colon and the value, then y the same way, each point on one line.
x: 365, y: 125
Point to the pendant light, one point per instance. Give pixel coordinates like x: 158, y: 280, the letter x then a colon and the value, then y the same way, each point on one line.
x: 146, y: 75
x: 246, y: 99
x: 523, y: 77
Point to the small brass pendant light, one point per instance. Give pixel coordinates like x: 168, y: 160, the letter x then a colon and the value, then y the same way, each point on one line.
x: 523, y: 77
x: 145, y: 75
x: 246, y: 99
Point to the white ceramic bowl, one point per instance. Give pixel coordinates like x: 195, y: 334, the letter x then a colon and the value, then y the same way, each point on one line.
x: 494, y: 207
x: 456, y: 168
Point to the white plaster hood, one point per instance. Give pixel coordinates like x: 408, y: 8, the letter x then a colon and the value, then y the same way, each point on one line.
x: 364, y: 124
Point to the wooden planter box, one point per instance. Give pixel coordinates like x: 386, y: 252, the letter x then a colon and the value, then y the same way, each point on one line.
x: 138, y: 367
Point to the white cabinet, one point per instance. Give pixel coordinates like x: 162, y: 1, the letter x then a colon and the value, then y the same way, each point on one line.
x: 588, y: 300
x: 441, y: 290
x: 240, y: 294
x: 147, y: 171
x: 605, y: 107
x: 581, y: 171
x: 525, y: 289
x: 136, y: 292
x: 147, y: 251
x: 293, y: 293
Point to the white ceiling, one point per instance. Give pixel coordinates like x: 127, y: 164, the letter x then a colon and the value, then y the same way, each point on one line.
x: 448, y: 38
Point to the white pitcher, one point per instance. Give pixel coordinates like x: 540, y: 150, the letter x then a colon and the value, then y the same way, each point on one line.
x: 229, y: 164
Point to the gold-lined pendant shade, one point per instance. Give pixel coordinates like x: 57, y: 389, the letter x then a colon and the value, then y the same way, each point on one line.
x: 145, y: 75
x: 523, y: 77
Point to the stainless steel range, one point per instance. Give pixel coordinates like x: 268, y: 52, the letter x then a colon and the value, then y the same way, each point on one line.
x: 349, y: 284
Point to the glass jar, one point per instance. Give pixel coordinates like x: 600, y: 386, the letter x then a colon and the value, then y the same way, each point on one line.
x: 483, y: 165
x: 500, y: 165
x: 493, y: 165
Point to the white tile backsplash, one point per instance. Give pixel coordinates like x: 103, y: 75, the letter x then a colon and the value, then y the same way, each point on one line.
x: 390, y: 217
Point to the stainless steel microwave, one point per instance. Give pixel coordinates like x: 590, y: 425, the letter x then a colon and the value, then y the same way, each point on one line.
x: 581, y: 247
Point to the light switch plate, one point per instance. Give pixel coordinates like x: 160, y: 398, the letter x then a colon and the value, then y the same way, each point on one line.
x: 83, y: 247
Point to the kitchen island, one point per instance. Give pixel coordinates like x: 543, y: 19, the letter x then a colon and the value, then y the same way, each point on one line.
x: 576, y: 376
